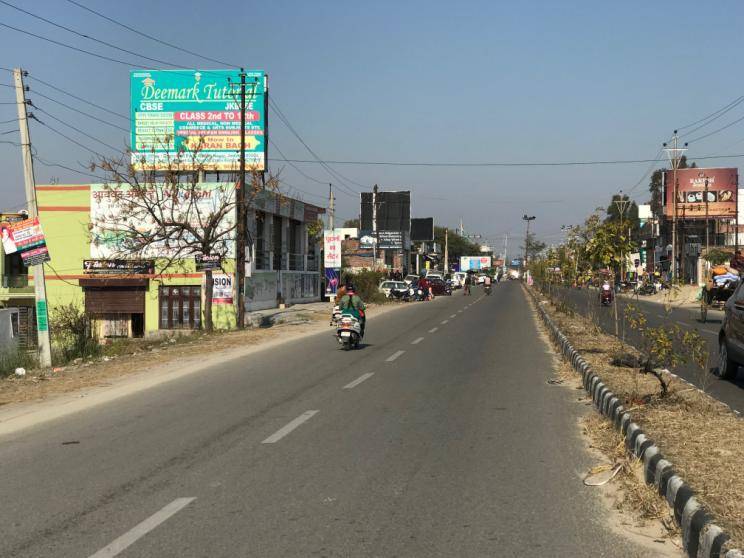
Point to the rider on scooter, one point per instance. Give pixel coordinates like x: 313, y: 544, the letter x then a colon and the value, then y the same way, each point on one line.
x: 352, y: 304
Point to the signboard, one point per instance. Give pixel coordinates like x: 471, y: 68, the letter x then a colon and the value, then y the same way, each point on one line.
x: 26, y: 238
x: 222, y: 288
x: 422, y: 230
x: 204, y: 263
x: 393, y: 240
x: 119, y: 267
x: 475, y: 263
x: 691, y: 204
x: 332, y: 249
x: 176, y: 114
x: 42, y: 319
x: 332, y: 279
x: 6, y: 230
x: 110, y: 214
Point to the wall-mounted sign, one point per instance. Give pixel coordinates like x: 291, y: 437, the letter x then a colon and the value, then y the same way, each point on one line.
x: 222, y: 288
x: 119, y: 267
x: 207, y: 262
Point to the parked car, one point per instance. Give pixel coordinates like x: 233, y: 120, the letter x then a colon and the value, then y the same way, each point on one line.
x: 410, y: 278
x: 440, y: 288
x: 386, y: 286
x: 731, y: 336
x: 430, y: 274
x: 458, y: 279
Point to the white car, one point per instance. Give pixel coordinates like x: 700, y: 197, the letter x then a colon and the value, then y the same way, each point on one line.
x: 410, y: 279
x: 386, y: 286
x: 481, y: 279
x: 458, y: 279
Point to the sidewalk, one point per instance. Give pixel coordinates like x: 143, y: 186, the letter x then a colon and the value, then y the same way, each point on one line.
x: 295, y: 314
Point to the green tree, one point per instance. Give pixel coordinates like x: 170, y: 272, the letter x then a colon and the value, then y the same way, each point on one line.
x: 629, y: 216
x: 532, y: 246
x: 456, y: 245
x: 351, y: 223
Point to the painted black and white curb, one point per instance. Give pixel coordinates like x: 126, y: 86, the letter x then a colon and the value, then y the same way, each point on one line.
x: 701, y: 537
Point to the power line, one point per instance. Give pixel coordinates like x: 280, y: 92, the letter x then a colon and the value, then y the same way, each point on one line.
x: 703, y: 125
x: 81, y: 50
x: 8, y: 132
x: 68, y: 138
x: 726, y: 108
x: 78, y: 130
x: 716, y: 131
x: 142, y: 34
x: 53, y: 164
x: 33, y: 77
x: 90, y: 38
x: 79, y: 111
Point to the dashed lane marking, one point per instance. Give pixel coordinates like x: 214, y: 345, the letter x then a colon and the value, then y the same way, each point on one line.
x: 139, y: 531
x: 444, y: 322
x: 432, y: 330
x: 395, y: 355
x: 289, y: 427
x: 417, y: 341
x: 359, y: 380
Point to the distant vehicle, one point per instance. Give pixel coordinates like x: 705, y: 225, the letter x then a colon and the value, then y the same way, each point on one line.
x: 386, y: 286
x: 458, y: 279
x: 440, y: 288
x: 410, y: 278
x: 514, y: 274
x: 433, y: 274
x: 481, y: 279
x: 731, y: 336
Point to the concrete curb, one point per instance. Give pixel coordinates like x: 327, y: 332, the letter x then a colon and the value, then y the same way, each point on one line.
x: 701, y: 537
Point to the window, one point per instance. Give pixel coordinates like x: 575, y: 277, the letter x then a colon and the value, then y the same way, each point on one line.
x: 180, y: 307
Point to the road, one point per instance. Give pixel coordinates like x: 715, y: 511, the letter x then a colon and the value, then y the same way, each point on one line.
x: 730, y: 392
x: 440, y: 437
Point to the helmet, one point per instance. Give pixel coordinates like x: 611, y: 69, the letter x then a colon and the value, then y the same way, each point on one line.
x: 350, y: 288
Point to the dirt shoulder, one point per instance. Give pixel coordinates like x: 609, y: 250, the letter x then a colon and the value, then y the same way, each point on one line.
x: 702, y: 437
x: 143, y: 360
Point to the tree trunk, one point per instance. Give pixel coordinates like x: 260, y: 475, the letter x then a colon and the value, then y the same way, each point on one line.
x: 209, y: 287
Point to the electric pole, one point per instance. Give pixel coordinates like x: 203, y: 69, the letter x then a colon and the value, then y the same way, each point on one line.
x: 374, y: 225
x: 42, y: 319
x: 622, y: 204
x: 527, y: 238
x: 446, y: 251
x: 673, y: 153
x: 707, y: 239
x: 330, y: 207
x: 240, y: 198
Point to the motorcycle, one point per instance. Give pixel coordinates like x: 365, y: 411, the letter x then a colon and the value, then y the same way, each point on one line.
x: 605, y: 295
x: 349, y: 332
x: 487, y: 290
x: 403, y: 294
x: 335, y: 316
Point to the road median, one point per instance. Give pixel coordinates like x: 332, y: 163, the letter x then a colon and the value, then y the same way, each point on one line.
x: 682, y: 434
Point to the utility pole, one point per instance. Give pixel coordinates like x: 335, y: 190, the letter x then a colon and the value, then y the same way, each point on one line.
x: 527, y: 237
x: 42, y: 320
x: 506, y: 244
x: 707, y: 239
x: 673, y: 153
x: 446, y: 251
x: 622, y: 204
x: 240, y: 197
x: 330, y: 207
x: 374, y: 225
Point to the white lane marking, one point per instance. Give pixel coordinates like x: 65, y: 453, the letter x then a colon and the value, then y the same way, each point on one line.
x: 395, y: 355
x: 443, y: 322
x: 284, y: 430
x: 359, y: 380
x: 681, y: 323
x: 434, y: 329
x: 417, y: 341
x: 453, y: 316
x: 459, y: 311
x: 139, y: 531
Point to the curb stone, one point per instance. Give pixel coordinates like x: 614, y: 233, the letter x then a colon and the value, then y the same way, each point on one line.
x: 701, y: 537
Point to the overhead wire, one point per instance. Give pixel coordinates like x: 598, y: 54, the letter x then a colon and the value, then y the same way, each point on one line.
x: 120, y: 115
x: 78, y: 130
x: 716, y: 131
x: 715, y: 114
x: 68, y: 138
x: 34, y: 92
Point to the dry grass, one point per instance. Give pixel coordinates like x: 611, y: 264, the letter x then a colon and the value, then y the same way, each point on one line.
x: 710, y: 463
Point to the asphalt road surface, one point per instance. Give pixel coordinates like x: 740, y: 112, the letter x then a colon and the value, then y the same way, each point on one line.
x: 439, y: 438
x: 730, y: 392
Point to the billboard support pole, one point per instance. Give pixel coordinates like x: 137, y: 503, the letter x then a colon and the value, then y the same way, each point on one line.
x: 240, y: 197
x: 42, y: 319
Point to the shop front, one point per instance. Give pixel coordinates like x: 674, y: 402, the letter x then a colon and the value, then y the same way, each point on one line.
x: 116, y: 307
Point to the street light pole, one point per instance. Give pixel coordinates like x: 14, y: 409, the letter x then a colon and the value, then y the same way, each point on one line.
x: 673, y: 153
x: 527, y: 237
x: 622, y: 204
x: 707, y: 239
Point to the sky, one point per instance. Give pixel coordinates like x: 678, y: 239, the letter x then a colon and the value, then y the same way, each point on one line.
x: 412, y: 81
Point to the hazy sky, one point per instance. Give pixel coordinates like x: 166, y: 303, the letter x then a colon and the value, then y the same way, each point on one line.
x: 417, y: 81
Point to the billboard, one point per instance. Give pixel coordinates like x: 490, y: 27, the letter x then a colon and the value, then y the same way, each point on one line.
x: 26, y: 238
x: 175, y: 113
x: 332, y: 249
x: 393, y: 215
x: 422, y: 230
x: 722, y: 193
x: 388, y: 240
x: 110, y: 217
x: 474, y: 263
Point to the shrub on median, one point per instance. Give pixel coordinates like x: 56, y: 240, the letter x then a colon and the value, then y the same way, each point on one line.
x: 366, y: 283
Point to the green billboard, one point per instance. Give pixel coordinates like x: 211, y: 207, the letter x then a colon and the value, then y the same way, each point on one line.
x: 190, y: 119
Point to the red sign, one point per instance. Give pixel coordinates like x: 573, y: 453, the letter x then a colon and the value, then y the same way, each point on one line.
x: 722, y: 187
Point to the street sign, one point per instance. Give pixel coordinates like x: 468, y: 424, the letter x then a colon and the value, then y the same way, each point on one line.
x: 177, y: 113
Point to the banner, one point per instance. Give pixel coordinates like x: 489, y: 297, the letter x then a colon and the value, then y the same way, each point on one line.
x: 222, y: 288
x: 333, y: 276
x: 191, y: 118
x: 722, y: 186
x: 475, y: 263
x: 331, y: 249
x: 119, y: 267
x: 203, y: 263
x: 28, y: 239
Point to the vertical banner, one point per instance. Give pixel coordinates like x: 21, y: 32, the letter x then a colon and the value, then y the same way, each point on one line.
x: 333, y: 276
x: 331, y: 249
x: 222, y: 288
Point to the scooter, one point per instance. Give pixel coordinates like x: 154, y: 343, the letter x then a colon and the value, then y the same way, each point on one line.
x: 349, y: 332
x: 335, y: 316
x: 605, y: 295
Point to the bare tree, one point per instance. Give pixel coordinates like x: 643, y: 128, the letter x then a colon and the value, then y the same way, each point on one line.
x: 168, y: 214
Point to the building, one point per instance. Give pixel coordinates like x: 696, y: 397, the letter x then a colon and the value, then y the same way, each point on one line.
x: 135, y: 298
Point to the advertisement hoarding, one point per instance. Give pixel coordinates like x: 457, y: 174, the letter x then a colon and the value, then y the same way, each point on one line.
x: 222, y: 288
x: 722, y: 193
x: 422, y: 230
x: 332, y: 249
x: 474, y: 263
x: 110, y: 216
x: 388, y: 240
x: 26, y: 238
x: 175, y: 113
x: 333, y: 276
